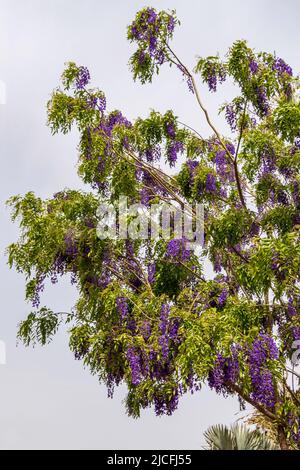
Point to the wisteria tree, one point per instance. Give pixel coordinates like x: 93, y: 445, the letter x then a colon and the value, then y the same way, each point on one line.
x: 148, y: 314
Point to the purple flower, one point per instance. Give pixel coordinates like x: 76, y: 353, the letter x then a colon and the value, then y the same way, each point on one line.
x: 173, y: 329
x: 170, y: 130
x: 135, y: 366
x: 173, y: 149
x: 294, y: 424
x: 152, y: 45
x: 262, y: 101
x: 171, y: 24
x: 225, y: 371
x: 160, y: 56
x: 146, y: 330
x: 254, y: 229
x: 152, y: 15
x: 296, y: 146
x: 292, y: 311
x: 231, y: 148
x: 268, y: 163
x: 210, y: 184
x: 39, y: 287
x: 164, y: 316
x: 151, y: 272
x: 142, y: 57
x: 214, y: 75
x: 165, y: 405
x: 192, y: 166
x: 176, y: 249
x: 122, y: 307
x: 83, y: 78
x: 282, y: 67
x: 102, y: 103
x: 116, y: 118
x: 187, y: 77
x: 230, y: 117
x: 223, y: 298
x: 263, y: 349
x: 253, y: 66
x: 163, y: 341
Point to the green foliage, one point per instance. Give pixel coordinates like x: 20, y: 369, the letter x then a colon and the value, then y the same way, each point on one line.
x: 39, y: 327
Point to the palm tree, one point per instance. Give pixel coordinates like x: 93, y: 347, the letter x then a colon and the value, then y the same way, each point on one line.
x: 237, y: 437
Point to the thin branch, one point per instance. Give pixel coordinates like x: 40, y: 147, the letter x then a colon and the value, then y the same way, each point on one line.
x: 249, y: 400
x: 211, y: 125
x: 191, y: 129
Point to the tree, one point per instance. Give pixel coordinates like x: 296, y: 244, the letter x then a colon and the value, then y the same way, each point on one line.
x: 237, y: 437
x: 147, y: 314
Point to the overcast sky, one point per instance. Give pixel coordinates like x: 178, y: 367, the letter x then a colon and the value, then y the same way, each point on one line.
x: 48, y: 400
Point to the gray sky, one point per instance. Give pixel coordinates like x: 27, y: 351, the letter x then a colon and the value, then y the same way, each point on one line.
x: 47, y: 400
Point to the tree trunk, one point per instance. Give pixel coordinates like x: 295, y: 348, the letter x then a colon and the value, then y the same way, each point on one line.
x: 282, y: 439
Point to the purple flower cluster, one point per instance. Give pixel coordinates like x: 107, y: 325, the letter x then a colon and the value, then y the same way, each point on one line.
x: 168, y: 331
x: 116, y: 118
x: 171, y: 24
x: 163, y: 341
x: 166, y: 405
x: 133, y: 358
x: 192, y: 382
x: 113, y: 379
x: 83, y: 78
x: 217, y: 263
x: 262, y: 100
x: 147, y: 30
x: 151, y: 272
x: 282, y: 67
x: 230, y: 117
x: 296, y: 146
x: 275, y: 265
x: 225, y: 371
x: 294, y: 424
x: 210, y: 184
x: 58, y: 268
x: 122, y: 307
x: 268, y: 163
x: 39, y: 288
x: 170, y: 130
x: 215, y: 75
x: 223, y: 298
x: 98, y: 102
x: 253, y: 65
x: 177, y: 250
x: 173, y: 150
x: 164, y: 318
x: 224, y: 169
x: 262, y: 350
x: 192, y: 166
x: 145, y: 329
x: 292, y: 311
x: 153, y: 154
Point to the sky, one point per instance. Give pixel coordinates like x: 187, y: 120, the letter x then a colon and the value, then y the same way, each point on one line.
x: 48, y: 400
